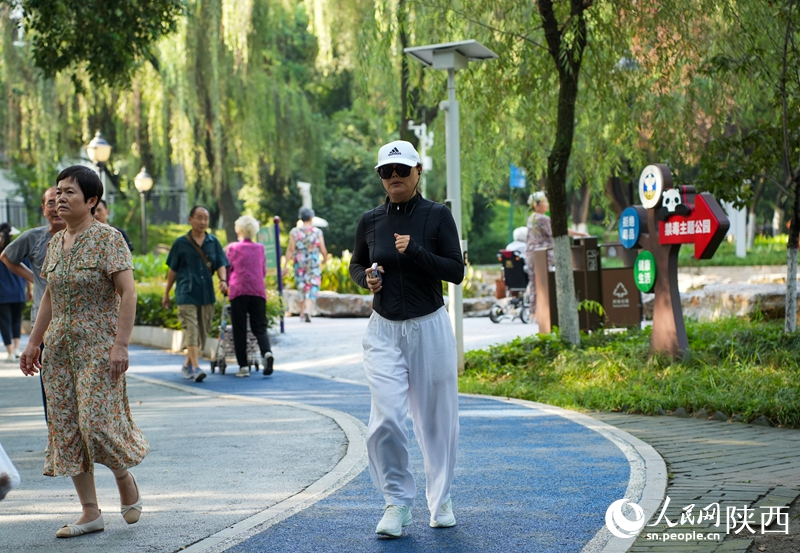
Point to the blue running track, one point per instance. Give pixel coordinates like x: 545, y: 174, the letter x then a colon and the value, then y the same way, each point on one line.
x: 525, y: 480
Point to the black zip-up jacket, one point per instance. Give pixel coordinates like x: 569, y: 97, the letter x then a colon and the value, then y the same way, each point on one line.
x: 412, y: 281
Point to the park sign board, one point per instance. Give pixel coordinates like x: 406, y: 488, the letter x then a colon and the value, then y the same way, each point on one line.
x: 700, y: 227
x: 669, y: 217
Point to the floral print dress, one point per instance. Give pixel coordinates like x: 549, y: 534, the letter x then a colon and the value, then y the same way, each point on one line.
x: 307, y: 260
x: 540, y: 235
x: 89, y: 420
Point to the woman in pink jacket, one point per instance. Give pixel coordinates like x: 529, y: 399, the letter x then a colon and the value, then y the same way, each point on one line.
x: 248, y: 293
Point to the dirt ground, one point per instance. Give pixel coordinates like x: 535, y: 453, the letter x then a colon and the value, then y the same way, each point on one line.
x: 779, y: 542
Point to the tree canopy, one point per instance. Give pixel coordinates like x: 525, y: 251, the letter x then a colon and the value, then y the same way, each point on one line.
x: 245, y: 98
x: 110, y: 39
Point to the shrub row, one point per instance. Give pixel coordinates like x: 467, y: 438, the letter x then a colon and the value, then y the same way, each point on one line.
x: 738, y: 367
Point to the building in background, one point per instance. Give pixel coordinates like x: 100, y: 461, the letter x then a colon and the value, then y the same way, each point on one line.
x: 12, y: 204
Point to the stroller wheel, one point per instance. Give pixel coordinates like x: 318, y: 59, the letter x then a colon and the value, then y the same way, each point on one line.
x: 213, y: 365
x: 495, y: 313
x: 525, y: 315
x: 222, y: 367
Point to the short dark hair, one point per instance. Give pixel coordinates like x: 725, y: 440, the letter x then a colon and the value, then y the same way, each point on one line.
x: 306, y: 214
x: 86, y: 179
x: 5, y: 235
x: 195, y: 208
x: 105, y: 205
x: 45, y: 193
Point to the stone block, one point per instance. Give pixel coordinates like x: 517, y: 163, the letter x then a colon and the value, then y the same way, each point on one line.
x: 680, y: 412
x: 716, y: 301
x: 719, y: 416
x: 331, y: 304
x: 702, y: 414
x: 761, y: 420
x: 478, y: 307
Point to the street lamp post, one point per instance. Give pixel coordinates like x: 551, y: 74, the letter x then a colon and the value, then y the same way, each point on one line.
x: 453, y: 56
x: 99, y: 150
x: 425, y: 142
x: 143, y: 182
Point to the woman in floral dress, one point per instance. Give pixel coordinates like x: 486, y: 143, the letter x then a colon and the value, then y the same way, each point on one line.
x: 308, y: 254
x: 85, y: 320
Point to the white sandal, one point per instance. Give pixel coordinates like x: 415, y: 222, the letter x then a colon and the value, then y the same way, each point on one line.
x: 131, y: 513
x: 73, y: 530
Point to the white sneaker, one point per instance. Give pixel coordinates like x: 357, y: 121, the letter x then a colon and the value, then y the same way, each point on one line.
x: 394, y: 518
x: 445, y: 518
x: 268, y: 362
x: 243, y: 372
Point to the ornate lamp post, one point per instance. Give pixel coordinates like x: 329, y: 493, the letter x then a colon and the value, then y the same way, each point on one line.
x: 99, y: 150
x: 143, y: 182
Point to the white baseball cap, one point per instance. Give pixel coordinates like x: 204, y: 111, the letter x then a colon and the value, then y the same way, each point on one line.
x: 398, y: 151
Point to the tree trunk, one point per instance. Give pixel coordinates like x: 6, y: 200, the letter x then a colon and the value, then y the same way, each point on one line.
x: 791, y: 260
x: 751, y: 216
x: 402, y: 16
x: 227, y: 208
x: 580, y: 206
x: 568, y: 64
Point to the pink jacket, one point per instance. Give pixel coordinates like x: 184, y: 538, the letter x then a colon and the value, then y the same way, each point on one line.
x: 247, y: 270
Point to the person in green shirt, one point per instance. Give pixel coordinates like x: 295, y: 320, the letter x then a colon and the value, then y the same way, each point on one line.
x: 192, y: 272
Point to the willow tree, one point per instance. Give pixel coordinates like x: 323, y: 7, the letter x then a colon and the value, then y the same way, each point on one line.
x: 107, y: 39
x: 223, y: 100
x: 619, y: 80
x: 759, y: 55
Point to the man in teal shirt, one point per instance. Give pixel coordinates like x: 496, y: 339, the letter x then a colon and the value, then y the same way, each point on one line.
x: 193, y: 271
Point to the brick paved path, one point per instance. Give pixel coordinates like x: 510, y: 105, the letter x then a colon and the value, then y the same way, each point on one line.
x: 734, y: 465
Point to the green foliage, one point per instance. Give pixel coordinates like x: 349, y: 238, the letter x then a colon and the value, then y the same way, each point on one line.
x: 738, y: 367
x: 489, y: 231
x: 765, y: 251
x: 335, y: 277
x: 150, y: 312
x: 111, y: 38
x: 150, y: 266
x: 591, y: 306
x: 351, y: 185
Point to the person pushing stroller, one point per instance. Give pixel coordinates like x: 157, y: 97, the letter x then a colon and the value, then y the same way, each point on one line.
x: 247, y: 294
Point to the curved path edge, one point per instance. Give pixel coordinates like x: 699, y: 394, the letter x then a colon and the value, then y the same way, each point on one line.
x: 349, y: 466
x: 647, y: 484
x: 648, y: 481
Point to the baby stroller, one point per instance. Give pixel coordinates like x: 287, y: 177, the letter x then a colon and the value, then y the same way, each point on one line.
x: 225, y: 346
x: 516, y: 303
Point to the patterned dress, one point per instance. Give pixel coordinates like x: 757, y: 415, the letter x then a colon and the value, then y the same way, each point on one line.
x: 89, y: 420
x: 540, y: 235
x: 307, y: 260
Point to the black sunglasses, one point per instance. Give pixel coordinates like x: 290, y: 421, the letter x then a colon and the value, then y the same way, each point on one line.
x: 386, y: 171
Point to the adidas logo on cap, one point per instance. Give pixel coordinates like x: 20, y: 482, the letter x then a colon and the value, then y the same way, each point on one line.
x: 394, y: 152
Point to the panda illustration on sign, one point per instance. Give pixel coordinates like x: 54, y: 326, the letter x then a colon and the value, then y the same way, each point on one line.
x: 672, y: 204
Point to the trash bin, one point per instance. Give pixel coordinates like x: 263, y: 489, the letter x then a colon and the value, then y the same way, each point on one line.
x: 622, y: 300
x: 586, y: 268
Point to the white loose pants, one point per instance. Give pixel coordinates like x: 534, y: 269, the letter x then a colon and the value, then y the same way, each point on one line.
x: 411, y: 366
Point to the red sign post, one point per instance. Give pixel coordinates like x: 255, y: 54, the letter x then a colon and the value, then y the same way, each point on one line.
x: 701, y: 227
x: 669, y: 217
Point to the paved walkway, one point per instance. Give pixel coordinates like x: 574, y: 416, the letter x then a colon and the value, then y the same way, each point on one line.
x: 735, y: 465
x: 278, y: 463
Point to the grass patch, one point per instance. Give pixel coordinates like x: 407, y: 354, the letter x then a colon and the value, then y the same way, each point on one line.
x: 738, y: 367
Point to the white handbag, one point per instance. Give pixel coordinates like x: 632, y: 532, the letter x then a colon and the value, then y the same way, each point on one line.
x: 9, y: 477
